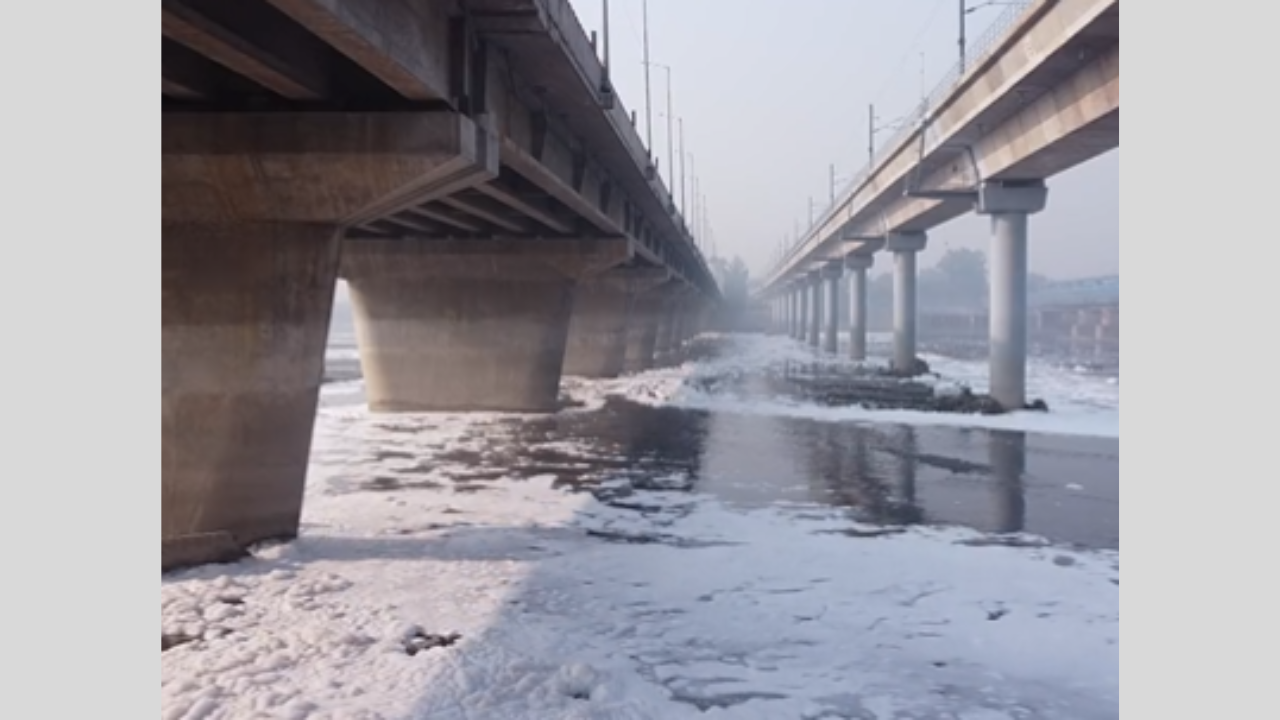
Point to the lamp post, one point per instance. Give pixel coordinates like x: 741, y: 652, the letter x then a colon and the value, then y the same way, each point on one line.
x: 684, y: 195
x: 671, y: 150
x: 648, y: 94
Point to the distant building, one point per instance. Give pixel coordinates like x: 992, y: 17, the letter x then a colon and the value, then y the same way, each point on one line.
x: 1085, y: 292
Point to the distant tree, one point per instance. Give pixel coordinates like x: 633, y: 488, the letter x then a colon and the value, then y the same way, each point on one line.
x: 1036, y: 281
x: 737, y: 283
x: 962, y: 274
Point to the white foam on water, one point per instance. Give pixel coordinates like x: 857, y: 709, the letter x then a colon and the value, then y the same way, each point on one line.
x: 1080, y: 403
x: 568, y: 607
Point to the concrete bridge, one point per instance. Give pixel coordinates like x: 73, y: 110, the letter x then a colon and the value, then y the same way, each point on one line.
x: 464, y: 164
x: 1041, y: 96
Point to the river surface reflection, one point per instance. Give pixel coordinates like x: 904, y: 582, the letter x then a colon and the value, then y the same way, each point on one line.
x: 1063, y: 488
x: 1059, y: 487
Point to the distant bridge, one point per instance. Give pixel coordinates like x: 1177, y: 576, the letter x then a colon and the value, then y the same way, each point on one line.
x: 1103, y: 290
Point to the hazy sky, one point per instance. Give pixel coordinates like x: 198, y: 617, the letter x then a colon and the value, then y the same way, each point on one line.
x: 773, y: 92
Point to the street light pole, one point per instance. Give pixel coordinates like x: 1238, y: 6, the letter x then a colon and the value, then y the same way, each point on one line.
x: 648, y: 91
x: 671, y: 143
x: 671, y: 140
x: 684, y: 195
x: 608, y: 45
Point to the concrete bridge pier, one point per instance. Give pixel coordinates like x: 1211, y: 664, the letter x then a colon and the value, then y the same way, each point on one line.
x: 805, y: 311
x: 1009, y: 204
x: 647, y: 313
x: 793, y: 313
x: 905, y: 247
x: 466, y: 326
x: 670, y: 326
x: 252, y: 211
x: 602, y: 314
x: 858, y: 265
x: 832, y: 274
x: 794, y: 321
x: 815, y: 302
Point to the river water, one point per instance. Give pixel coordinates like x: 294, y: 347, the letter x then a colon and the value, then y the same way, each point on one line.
x: 729, y: 424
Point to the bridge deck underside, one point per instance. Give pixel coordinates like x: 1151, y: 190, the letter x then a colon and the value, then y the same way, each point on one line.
x: 300, y: 56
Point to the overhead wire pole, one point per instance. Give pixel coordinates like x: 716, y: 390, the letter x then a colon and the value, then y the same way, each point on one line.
x: 871, y: 135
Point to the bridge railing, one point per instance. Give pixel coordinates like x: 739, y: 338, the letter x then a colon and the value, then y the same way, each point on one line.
x: 975, y: 52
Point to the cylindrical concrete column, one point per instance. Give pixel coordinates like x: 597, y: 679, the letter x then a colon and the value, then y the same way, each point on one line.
x: 805, y: 312
x: 789, y: 305
x: 858, y: 266
x: 1009, y: 204
x: 905, y: 247
x: 815, y: 321
x: 831, y: 343
x: 904, y: 310
x: 1009, y: 309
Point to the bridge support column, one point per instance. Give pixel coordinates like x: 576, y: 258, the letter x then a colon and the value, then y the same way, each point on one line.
x: 458, y: 326
x: 832, y: 274
x: 858, y: 266
x: 602, y: 314
x: 796, y: 311
x: 244, y: 319
x: 793, y: 313
x: 670, y: 327
x: 248, y: 269
x: 905, y: 247
x: 806, y: 312
x: 644, y: 327
x: 815, y: 302
x: 1009, y: 205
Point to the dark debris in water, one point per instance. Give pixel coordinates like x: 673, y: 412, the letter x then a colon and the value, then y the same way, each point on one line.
x: 885, y: 390
x: 168, y: 641
x: 859, y: 533
x: 1011, y: 541
x: 420, y: 641
x: 656, y: 539
x: 384, y: 483
x: 727, y: 700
